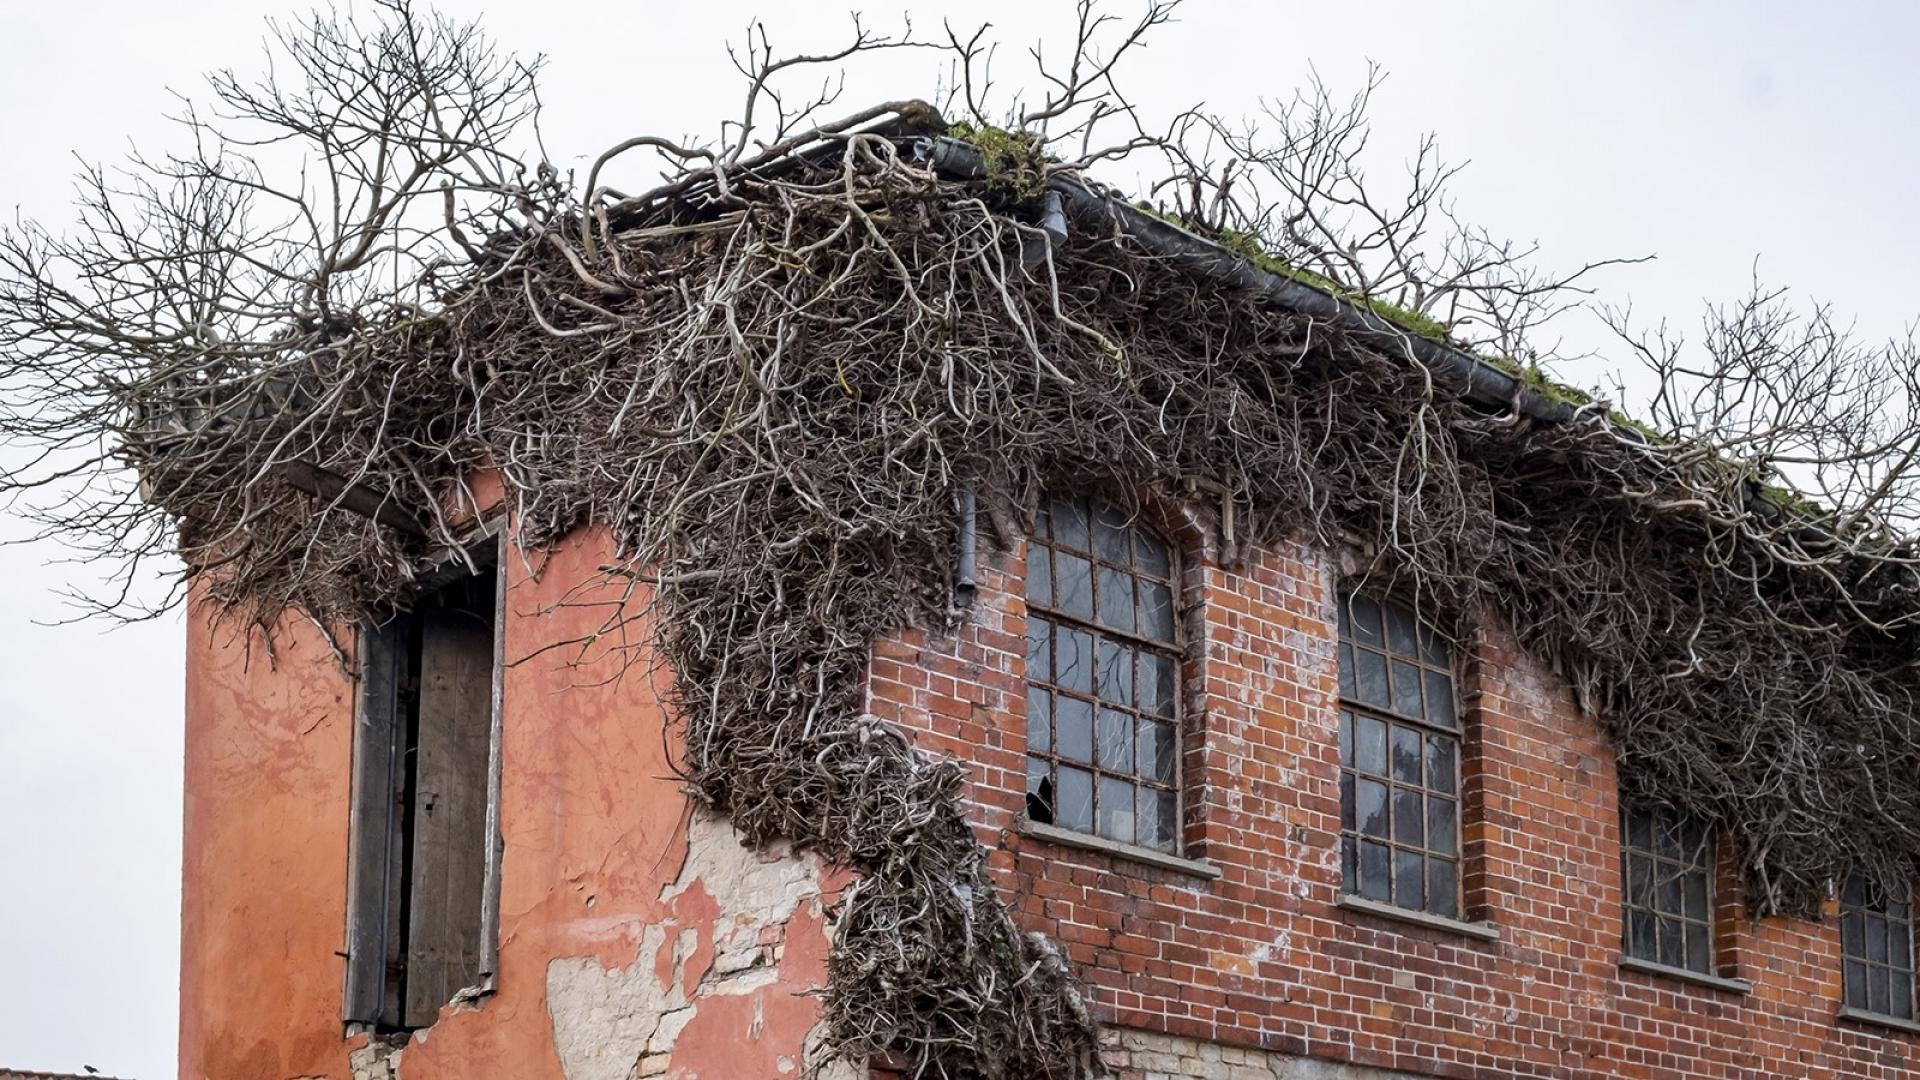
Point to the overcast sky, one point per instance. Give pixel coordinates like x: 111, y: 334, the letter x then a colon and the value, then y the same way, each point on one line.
x: 1708, y: 133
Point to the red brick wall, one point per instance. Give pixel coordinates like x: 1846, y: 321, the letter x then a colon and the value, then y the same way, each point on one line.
x: 1263, y: 957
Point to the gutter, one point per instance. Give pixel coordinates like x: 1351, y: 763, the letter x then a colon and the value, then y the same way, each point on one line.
x: 1482, y: 383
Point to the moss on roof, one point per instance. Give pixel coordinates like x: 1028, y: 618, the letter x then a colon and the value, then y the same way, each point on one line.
x: 1016, y: 165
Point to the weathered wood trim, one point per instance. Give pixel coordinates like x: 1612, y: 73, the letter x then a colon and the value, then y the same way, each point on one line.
x: 494, y: 531
x: 374, y: 820
x: 358, y: 498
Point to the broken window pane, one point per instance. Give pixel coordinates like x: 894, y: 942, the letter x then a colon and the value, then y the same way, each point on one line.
x: 1039, y: 791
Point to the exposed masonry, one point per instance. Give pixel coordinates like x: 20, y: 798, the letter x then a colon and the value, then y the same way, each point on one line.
x: 622, y: 1023
x: 1260, y: 972
x: 375, y: 1061
x: 1147, y: 1055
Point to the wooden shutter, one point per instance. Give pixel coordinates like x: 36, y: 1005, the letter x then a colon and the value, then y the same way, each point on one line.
x: 450, y: 809
x: 373, y: 837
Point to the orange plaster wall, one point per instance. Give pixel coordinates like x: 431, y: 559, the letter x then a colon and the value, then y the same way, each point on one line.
x: 595, y: 830
x: 268, y: 745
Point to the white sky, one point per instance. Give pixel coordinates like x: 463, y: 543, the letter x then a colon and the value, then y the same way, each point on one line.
x: 1709, y: 133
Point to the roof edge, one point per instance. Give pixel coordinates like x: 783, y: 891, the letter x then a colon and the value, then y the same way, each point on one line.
x: 1483, y: 382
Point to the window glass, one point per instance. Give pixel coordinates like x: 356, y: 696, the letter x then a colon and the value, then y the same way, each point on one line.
x: 1399, y: 760
x: 1102, y: 673
x: 1876, y: 947
x: 1668, y: 867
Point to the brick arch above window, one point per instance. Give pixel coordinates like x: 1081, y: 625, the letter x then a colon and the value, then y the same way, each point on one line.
x: 1103, y: 674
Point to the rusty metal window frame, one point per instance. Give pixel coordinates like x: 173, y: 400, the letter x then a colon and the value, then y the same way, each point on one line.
x: 1426, y: 848
x: 1876, y: 951
x: 1111, y: 631
x: 1667, y: 889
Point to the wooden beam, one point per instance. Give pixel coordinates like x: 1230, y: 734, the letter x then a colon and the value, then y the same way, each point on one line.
x: 358, y: 498
x: 374, y: 829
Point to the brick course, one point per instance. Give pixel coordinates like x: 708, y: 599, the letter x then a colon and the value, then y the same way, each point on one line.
x: 1264, y: 957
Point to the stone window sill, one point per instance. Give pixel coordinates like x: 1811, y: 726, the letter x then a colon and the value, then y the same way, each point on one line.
x: 1862, y: 1016
x: 1712, y: 982
x: 1053, y: 834
x: 1482, y: 931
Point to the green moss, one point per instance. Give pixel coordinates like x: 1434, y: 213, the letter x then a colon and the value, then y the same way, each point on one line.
x: 1248, y: 246
x: 1015, y: 164
x: 1535, y: 378
x: 1794, y: 502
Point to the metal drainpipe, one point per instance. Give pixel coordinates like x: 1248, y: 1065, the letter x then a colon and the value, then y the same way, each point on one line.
x: 967, y: 566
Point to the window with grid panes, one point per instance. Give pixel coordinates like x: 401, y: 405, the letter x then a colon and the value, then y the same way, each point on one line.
x: 1876, y: 947
x: 1399, y: 760
x: 1669, y: 890
x: 1103, y: 672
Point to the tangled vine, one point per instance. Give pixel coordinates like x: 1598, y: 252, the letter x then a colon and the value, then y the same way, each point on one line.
x: 771, y: 378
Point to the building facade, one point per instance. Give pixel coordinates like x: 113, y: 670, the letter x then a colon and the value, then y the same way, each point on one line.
x: 1281, y: 826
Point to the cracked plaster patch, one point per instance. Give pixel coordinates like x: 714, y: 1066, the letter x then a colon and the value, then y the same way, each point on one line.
x: 622, y: 1023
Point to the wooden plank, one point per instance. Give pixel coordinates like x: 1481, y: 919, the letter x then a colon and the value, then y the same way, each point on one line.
x: 450, y: 808
x: 373, y: 835
x: 490, y: 887
x: 359, y: 498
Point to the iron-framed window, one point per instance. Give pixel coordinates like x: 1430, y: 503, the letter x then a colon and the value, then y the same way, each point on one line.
x: 1399, y: 759
x: 1876, y: 949
x: 1103, y: 675
x: 1669, y: 889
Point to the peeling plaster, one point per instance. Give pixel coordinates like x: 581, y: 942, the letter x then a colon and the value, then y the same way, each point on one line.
x: 375, y: 1061
x: 721, y: 937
